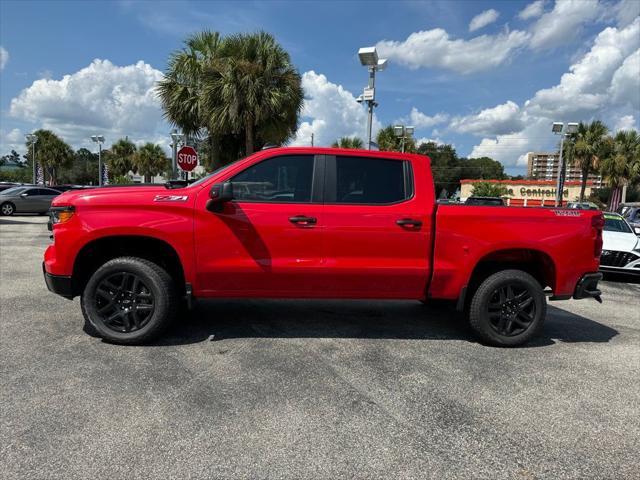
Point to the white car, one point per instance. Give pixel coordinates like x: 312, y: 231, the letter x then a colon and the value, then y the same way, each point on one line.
x: 620, y: 246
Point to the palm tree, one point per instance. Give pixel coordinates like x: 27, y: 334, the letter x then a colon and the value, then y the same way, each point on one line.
x: 348, y: 142
x: 150, y: 160
x: 52, y: 153
x: 621, y: 165
x: 253, y: 90
x: 584, y: 149
x: 181, y: 91
x: 120, y: 157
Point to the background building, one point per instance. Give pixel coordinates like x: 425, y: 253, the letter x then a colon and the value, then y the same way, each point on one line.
x: 531, y: 193
x: 545, y: 165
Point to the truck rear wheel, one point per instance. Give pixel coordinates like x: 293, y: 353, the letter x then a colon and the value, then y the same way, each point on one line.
x: 508, y: 308
x: 129, y: 300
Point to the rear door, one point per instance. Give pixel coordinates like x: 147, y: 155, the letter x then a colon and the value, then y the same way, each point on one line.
x: 377, y: 229
x: 44, y: 198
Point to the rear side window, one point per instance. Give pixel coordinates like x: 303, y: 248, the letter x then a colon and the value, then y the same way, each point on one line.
x: 371, y: 180
x: 276, y: 180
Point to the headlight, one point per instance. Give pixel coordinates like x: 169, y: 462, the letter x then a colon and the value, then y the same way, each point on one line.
x: 62, y: 214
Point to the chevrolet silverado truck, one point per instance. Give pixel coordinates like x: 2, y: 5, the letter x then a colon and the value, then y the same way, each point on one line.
x: 314, y: 223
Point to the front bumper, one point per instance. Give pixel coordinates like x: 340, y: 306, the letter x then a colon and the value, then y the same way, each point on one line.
x: 587, y: 287
x: 59, y: 284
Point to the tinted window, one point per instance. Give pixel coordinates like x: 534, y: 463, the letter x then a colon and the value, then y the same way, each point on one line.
x: 280, y: 179
x: 369, y: 180
x: 48, y: 191
x: 615, y: 224
x: 32, y: 191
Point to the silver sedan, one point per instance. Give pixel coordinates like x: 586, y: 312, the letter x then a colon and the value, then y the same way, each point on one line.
x: 26, y: 200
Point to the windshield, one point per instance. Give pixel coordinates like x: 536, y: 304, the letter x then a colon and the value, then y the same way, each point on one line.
x: 13, y: 191
x: 616, y: 224
x: 215, y: 172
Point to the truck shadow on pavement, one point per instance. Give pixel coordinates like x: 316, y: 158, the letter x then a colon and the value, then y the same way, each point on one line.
x: 228, y: 319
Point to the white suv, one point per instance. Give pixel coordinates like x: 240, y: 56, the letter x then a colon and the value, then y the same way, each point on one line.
x: 620, y: 246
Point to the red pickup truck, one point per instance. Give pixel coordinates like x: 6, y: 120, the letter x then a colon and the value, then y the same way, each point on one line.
x: 315, y: 223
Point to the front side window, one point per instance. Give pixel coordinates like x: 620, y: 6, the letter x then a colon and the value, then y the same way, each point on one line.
x: 276, y: 180
x: 370, y: 180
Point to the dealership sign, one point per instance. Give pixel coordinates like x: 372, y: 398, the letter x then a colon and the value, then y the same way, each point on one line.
x: 537, y: 192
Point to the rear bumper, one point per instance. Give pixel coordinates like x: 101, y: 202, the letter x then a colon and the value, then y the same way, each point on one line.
x: 587, y: 287
x: 59, y: 284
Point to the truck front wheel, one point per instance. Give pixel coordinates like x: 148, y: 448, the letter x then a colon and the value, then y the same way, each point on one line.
x: 129, y: 300
x: 508, y: 308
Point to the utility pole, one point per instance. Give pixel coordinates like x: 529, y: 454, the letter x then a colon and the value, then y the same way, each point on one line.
x: 312, y: 139
x: 32, y: 139
x: 99, y: 139
x: 369, y: 58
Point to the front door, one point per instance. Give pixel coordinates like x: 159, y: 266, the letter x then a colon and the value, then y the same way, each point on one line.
x: 377, y: 236
x: 267, y: 241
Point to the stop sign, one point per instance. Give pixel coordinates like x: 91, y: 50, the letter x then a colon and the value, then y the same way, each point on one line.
x: 187, y: 158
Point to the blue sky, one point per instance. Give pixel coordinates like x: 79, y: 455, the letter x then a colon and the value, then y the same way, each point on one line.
x: 488, y: 77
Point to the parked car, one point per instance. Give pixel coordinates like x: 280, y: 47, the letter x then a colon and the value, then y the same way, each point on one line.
x: 315, y: 223
x: 631, y: 213
x: 26, y: 199
x: 583, y: 205
x: 485, y: 201
x: 7, y: 185
x: 620, y: 246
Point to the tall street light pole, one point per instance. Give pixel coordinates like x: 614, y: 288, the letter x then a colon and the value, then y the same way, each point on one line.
x: 559, y: 129
x: 31, y: 140
x: 369, y: 58
x: 175, y: 138
x: 99, y: 139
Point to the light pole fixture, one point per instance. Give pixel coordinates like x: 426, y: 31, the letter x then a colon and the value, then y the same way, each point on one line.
x: 31, y: 141
x: 559, y: 128
x: 403, y: 132
x: 369, y: 58
x: 99, y: 139
x: 175, y: 139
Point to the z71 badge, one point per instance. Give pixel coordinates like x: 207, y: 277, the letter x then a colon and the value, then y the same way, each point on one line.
x: 171, y: 198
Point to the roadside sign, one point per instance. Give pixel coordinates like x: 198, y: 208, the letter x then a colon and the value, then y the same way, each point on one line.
x: 187, y: 158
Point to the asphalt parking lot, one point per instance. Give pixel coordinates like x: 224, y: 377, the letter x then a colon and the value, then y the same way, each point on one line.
x: 312, y: 389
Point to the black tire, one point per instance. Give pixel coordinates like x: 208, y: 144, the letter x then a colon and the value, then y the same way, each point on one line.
x: 7, y: 209
x: 129, y: 300
x: 508, y: 309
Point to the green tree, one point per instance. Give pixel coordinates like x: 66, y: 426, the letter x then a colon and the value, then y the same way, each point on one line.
x: 348, y: 142
x: 120, y: 157
x: 83, y: 170
x: 620, y: 162
x: 388, y: 141
x: 584, y: 149
x: 52, y: 153
x: 488, y: 189
x: 150, y: 160
x: 483, y: 167
x: 237, y: 93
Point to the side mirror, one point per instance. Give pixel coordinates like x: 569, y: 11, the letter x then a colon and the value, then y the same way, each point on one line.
x: 637, y: 230
x: 23, y: 195
x: 219, y: 194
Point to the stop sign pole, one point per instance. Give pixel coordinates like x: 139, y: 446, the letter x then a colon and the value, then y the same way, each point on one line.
x: 175, y: 138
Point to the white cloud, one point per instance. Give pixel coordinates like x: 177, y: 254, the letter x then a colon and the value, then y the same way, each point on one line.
x: 420, y: 120
x: 627, y: 11
x: 483, y: 19
x: 434, y: 48
x: 330, y: 112
x: 501, y: 119
x: 11, y: 140
x: 533, y: 10
x: 101, y: 98
x: 585, y: 88
x: 4, y: 57
x: 625, y: 85
x: 601, y: 84
x: 564, y: 22
x: 627, y: 122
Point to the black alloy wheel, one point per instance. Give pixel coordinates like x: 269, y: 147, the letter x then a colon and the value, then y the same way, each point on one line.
x: 511, y: 309
x: 123, y: 302
x: 508, y: 308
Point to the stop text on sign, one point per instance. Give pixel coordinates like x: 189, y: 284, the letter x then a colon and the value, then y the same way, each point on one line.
x: 187, y: 158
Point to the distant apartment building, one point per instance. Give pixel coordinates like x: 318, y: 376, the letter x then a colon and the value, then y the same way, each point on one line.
x: 545, y: 165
